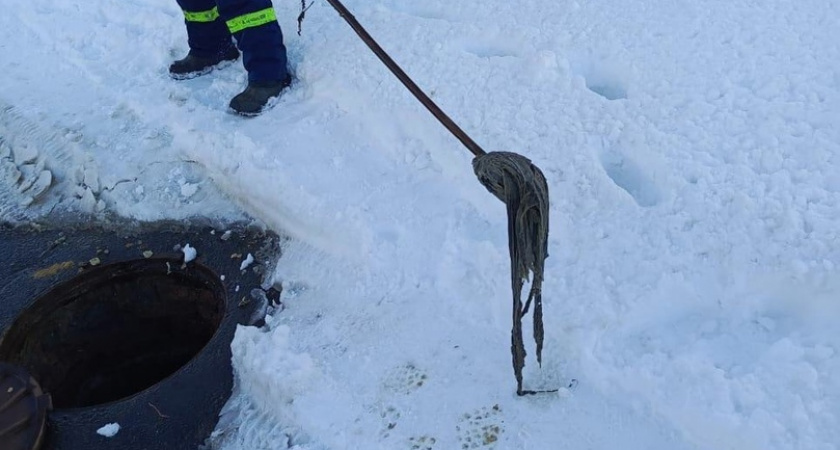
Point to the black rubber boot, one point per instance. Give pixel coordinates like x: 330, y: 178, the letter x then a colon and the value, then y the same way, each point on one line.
x: 257, y: 97
x: 194, y: 66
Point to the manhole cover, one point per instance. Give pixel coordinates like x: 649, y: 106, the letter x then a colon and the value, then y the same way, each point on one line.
x: 23, y: 409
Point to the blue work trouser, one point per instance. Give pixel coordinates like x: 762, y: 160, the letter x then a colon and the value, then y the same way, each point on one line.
x: 211, y: 23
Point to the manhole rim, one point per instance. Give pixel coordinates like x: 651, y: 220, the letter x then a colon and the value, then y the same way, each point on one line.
x: 66, y: 286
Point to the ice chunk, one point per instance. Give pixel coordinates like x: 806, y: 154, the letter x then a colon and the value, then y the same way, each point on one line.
x: 247, y: 262
x: 9, y: 172
x: 109, y: 430
x: 87, y: 202
x: 189, y: 253
x: 41, y: 184
x: 188, y: 190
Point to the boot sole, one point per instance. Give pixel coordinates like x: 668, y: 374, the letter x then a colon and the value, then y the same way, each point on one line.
x: 202, y: 72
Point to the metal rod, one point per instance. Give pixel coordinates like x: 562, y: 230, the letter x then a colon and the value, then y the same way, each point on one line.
x: 450, y: 125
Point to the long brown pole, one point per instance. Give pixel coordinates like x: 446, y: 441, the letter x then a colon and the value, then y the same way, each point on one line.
x: 450, y: 125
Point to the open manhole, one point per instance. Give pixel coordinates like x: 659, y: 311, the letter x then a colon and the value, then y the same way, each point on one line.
x: 115, y: 330
x: 118, y: 341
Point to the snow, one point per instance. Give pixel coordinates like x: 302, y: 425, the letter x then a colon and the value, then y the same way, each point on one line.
x: 691, y: 151
x: 110, y: 430
x: 189, y: 253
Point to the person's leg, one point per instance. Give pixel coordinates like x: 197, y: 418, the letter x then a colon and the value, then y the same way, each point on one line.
x: 209, y: 39
x: 254, y: 26
x: 207, y: 33
x: 258, y: 35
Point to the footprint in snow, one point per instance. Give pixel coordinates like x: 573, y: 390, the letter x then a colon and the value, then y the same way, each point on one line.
x: 390, y: 416
x: 399, y: 383
x: 480, y: 428
x: 604, y: 78
x: 404, y: 379
x: 422, y: 443
x: 629, y: 176
x: 492, y: 47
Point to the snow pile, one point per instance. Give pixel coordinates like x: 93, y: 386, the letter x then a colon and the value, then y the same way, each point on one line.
x: 691, y: 154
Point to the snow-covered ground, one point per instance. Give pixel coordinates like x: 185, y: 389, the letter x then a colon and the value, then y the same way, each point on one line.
x: 692, y: 150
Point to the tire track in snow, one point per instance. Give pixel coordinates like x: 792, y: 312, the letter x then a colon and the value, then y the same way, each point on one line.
x: 35, y: 170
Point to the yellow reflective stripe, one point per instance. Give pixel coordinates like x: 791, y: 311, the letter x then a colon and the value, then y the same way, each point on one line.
x: 251, y: 20
x: 202, y: 16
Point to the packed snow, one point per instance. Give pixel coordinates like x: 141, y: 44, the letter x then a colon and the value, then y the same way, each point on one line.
x: 693, y: 157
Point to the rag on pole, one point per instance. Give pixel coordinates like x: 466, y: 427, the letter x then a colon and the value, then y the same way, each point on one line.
x: 517, y: 182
